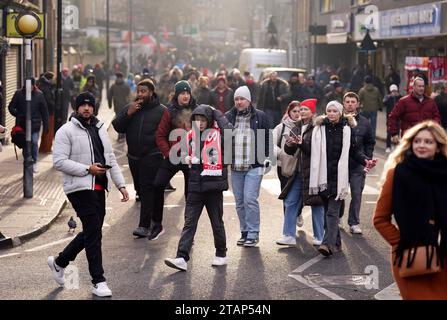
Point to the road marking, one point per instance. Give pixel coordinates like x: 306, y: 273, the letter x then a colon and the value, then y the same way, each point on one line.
x: 317, y: 288
x: 308, y: 264
x: 389, y: 293
x: 50, y: 244
x: 272, y: 186
x: 370, y: 202
x: 9, y: 255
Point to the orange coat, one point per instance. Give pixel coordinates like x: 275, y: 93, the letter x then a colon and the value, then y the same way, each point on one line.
x: 428, y: 287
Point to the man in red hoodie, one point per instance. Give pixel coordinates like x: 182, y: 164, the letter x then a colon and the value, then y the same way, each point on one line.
x: 177, y: 116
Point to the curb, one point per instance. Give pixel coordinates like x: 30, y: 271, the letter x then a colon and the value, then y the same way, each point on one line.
x: 9, y: 243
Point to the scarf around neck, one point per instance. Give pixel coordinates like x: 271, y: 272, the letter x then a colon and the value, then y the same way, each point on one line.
x: 318, y: 163
x: 420, y: 205
x: 211, y: 154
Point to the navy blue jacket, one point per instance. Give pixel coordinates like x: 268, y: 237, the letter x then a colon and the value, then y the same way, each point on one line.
x: 259, y: 120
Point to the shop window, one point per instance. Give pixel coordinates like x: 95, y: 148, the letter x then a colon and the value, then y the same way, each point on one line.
x: 355, y: 3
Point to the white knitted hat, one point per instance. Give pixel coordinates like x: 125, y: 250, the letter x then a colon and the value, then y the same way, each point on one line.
x: 335, y: 104
x: 243, y: 92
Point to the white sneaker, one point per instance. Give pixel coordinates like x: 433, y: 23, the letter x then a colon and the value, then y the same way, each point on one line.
x: 300, y: 221
x: 219, y: 261
x: 355, y: 229
x: 316, y: 242
x: 35, y: 170
x: 102, y: 290
x: 286, y: 241
x: 177, y: 263
x: 58, y: 272
x: 388, y: 150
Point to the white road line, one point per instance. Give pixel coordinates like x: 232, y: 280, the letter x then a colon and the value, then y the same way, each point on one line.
x: 169, y: 206
x: 389, y: 293
x: 49, y: 244
x: 308, y: 264
x: 272, y: 186
x: 9, y: 255
x: 321, y: 290
x: 370, y: 202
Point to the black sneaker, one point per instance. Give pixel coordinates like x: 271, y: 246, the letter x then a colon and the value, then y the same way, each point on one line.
x: 243, y: 238
x: 251, y: 242
x: 170, y: 188
x: 156, y: 232
x: 141, y: 232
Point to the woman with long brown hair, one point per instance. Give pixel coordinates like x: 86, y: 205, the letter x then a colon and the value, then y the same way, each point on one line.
x: 414, y: 192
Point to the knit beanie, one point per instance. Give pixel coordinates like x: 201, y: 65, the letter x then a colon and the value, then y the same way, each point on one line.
x: 335, y: 104
x: 182, y: 86
x: 85, y: 98
x: 311, y: 104
x: 243, y: 92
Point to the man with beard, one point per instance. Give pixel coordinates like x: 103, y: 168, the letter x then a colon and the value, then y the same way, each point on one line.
x: 84, y: 154
x: 139, y: 121
x: 177, y: 116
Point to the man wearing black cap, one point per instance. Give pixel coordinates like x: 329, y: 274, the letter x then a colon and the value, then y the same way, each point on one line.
x: 93, y: 88
x: 83, y: 153
x: 177, y: 116
x: 139, y: 120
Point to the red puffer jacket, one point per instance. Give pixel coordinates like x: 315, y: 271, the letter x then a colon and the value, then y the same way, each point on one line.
x: 410, y: 111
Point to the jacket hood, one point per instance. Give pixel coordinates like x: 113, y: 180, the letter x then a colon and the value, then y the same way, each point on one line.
x: 119, y: 81
x: 347, y: 119
x: 369, y: 87
x: 204, y: 110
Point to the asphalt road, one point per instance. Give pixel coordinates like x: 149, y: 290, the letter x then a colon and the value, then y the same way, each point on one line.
x: 135, y: 268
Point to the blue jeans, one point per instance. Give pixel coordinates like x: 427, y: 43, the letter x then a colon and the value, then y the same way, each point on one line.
x: 372, y: 117
x: 318, y: 222
x: 34, y: 146
x: 246, y: 186
x: 292, y: 204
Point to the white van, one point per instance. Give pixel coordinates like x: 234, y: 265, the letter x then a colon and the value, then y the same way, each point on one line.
x: 255, y: 60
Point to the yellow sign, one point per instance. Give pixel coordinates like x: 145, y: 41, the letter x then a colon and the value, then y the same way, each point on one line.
x: 11, y: 31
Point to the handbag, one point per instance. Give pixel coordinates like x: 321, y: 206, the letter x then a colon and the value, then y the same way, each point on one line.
x: 418, y: 257
x: 288, y: 165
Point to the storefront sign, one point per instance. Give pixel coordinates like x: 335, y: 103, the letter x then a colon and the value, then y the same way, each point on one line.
x: 423, y: 20
x: 364, y: 21
x: 340, y: 23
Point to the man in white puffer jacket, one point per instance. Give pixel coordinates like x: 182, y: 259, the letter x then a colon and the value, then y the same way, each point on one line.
x: 83, y: 153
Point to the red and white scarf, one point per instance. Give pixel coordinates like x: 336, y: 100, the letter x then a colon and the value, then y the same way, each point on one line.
x: 211, y: 154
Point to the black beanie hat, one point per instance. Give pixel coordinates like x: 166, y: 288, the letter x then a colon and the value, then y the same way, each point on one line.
x: 182, y: 86
x: 85, y: 98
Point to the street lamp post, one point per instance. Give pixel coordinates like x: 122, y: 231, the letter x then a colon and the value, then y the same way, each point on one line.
x: 59, y: 112
x: 28, y: 25
x: 107, y: 71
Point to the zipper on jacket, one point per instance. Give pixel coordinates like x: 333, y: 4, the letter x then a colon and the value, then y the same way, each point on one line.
x: 141, y: 129
x: 92, y: 155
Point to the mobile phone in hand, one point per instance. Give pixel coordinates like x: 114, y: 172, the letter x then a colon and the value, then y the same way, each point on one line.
x: 105, y: 166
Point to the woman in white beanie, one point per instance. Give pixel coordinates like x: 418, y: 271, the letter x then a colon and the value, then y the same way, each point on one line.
x: 333, y: 142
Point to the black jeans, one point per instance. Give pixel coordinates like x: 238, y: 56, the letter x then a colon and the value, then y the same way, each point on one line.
x: 213, y: 201
x: 90, y: 206
x: 332, y: 236
x: 167, y: 171
x: 357, y: 184
x: 152, y: 200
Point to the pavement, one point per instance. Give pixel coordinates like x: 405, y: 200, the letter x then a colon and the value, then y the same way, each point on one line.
x: 23, y: 219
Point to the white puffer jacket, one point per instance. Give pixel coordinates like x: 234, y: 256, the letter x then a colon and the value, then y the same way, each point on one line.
x: 73, y: 155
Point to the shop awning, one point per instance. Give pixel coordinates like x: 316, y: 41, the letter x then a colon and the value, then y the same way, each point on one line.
x: 337, y: 38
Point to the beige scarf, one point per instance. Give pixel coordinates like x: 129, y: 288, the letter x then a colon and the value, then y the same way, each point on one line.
x: 318, y: 164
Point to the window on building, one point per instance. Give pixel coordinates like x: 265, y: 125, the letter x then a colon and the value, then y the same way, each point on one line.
x: 359, y: 2
x: 326, y: 6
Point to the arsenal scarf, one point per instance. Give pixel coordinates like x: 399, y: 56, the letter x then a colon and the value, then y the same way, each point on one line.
x: 211, y: 155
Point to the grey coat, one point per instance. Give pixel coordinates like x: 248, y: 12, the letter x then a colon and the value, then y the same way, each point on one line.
x: 73, y: 155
